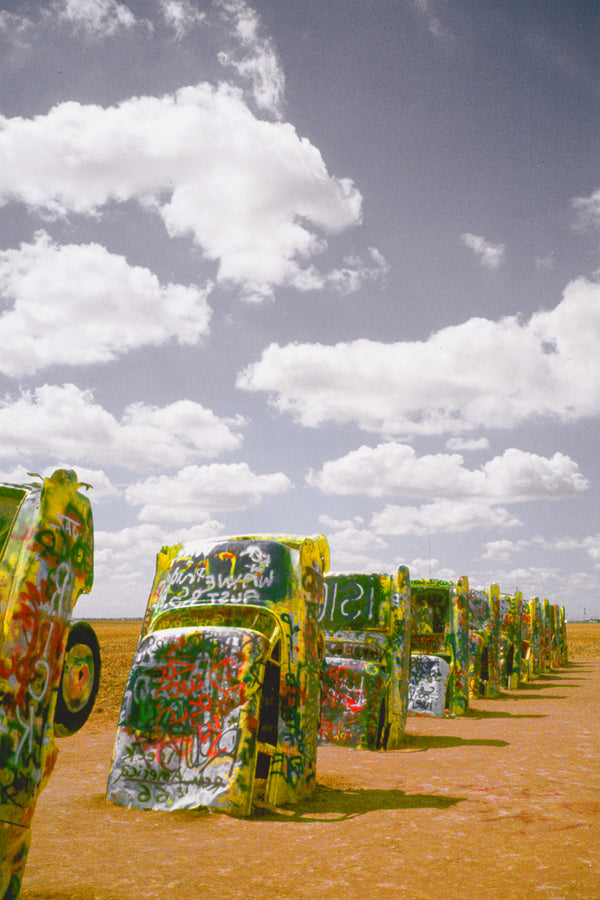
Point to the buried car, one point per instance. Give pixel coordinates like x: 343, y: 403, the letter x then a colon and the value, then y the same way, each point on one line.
x: 439, y: 663
x: 511, y: 649
x: 222, y: 702
x: 49, y: 669
x: 366, y: 623
x: 484, y: 625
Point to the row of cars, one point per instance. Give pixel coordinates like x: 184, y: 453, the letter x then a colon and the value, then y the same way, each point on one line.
x: 475, y: 642
x: 251, y: 654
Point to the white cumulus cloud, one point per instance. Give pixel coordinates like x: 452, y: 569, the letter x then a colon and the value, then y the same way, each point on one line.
x: 354, y: 548
x: 124, y: 565
x: 181, y: 15
x: 393, y: 469
x: 459, y: 444
x: 587, y: 210
x: 78, y: 305
x: 256, y: 197
x: 490, y: 255
x: 195, y: 492
x: 64, y: 422
x: 258, y: 62
x: 443, y: 516
x: 479, y: 374
x: 95, y: 17
x: 503, y: 550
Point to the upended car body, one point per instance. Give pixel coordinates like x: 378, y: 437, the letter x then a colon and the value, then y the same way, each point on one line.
x: 484, y: 630
x: 222, y: 702
x: 366, y: 624
x: 530, y: 639
x: 512, y: 653
x: 49, y: 670
x: 561, y: 649
x: 439, y: 664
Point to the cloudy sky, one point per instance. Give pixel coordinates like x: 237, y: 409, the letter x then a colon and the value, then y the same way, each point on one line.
x: 319, y: 266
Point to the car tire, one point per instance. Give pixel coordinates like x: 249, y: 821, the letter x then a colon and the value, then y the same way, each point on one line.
x: 79, y: 680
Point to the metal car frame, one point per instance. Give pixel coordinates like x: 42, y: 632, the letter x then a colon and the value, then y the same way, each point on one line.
x: 49, y: 670
x: 221, y: 706
x: 439, y: 647
x: 511, y: 633
x: 483, y: 642
x: 366, y: 624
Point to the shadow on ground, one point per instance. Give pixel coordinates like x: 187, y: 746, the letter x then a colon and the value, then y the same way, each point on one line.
x: 73, y: 894
x: 329, y: 804
x: 440, y: 742
x: 497, y: 714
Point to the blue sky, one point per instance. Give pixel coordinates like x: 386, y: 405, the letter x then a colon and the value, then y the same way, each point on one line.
x: 319, y: 266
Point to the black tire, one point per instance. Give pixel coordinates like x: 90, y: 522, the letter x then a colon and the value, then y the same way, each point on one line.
x: 79, y: 680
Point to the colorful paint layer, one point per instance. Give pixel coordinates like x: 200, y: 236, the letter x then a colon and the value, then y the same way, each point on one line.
x: 46, y: 562
x: 440, y: 628
x: 222, y: 703
x: 366, y: 624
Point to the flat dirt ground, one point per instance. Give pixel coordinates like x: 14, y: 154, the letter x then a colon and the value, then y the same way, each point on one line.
x: 503, y: 803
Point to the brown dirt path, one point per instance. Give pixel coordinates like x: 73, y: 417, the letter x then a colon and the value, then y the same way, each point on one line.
x: 504, y: 803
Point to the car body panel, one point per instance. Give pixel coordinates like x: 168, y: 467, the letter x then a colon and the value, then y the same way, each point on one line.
x: 563, y: 649
x: 353, y: 691
x: 554, y: 634
x: 440, y: 628
x: 428, y: 687
x: 547, y: 636
x: 527, y: 651
x: 46, y: 562
x: 222, y: 703
x: 493, y: 683
x: 365, y: 621
x: 511, y: 607
x: 200, y: 687
x: 483, y: 644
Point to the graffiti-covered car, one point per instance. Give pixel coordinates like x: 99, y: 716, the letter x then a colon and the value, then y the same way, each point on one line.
x: 528, y: 636
x: 366, y: 623
x: 439, y: 645
x: 221, y: 707
x: 484, y: 626
x: 562, y: 649
x: 511, y: 636
x: 49, y: 669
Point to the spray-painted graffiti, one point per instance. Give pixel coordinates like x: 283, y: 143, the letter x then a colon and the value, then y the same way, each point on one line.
x: 46, y: 562
x: 535, y: 619
x: 196, y: 690
x: 222, y: 702
x: 483, y: 642
x: 428, y: 685
x: 366, y: 620
x: 440, y: 627
x: 511, y: 609
x: 532, y: 638
x: 562, y: 636
x: 527, y: 651
x: 14, y: 847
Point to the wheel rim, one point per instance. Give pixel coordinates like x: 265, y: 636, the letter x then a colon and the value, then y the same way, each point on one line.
x: 78, y: 677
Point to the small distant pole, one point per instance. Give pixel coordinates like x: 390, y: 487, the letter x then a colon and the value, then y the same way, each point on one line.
x: 584, y: 613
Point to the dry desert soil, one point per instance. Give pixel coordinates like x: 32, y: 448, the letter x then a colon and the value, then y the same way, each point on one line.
x: 502, y: 803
